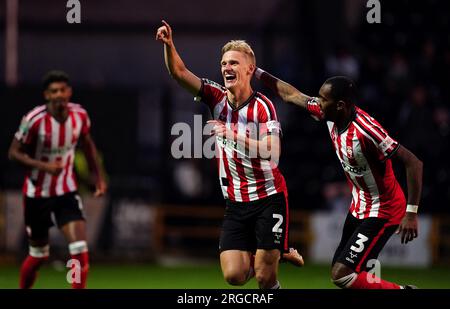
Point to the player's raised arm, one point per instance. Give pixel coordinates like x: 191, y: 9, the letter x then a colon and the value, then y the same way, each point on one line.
x: 285, y: 91
x: 174, y: 63
x: 414, y: 170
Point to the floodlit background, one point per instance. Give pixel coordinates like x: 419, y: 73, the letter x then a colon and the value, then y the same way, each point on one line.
x: 159, y: 225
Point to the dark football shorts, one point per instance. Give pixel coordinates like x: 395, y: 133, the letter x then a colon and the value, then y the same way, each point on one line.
x: 261, y: 224
x: 43, y: 213
x: 362, y: 240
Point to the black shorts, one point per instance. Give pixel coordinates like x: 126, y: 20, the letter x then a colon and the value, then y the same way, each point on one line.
x: 362, y: 240
x: 40, y: 213
x: 261, y: 224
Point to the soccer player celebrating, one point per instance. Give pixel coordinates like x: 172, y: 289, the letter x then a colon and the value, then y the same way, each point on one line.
x: 364, y: 150
x: 256, y: 215
x: 45, y: 144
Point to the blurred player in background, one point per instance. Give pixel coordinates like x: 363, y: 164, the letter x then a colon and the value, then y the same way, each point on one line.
x: 364, y: 150
x: 256, y: 215
x: 45, y: 144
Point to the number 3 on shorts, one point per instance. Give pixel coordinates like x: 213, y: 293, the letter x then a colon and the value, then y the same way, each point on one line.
x: 360, y: 242
x: 276, y: 227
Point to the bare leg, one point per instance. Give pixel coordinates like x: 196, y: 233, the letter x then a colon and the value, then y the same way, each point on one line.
x: 236, y: 266
x: 266, y: 268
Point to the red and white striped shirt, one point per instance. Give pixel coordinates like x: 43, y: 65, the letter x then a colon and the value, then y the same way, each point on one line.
x: 48, y: 140
x: 243, y: 177
x: 364, y: 149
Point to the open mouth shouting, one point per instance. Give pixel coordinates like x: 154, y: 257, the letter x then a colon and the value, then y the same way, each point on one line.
x: 230, y: 78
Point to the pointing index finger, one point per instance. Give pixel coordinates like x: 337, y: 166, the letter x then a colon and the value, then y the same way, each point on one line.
x: 169, y: 29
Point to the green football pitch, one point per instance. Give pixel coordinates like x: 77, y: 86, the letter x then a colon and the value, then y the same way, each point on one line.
x: 208, y: 276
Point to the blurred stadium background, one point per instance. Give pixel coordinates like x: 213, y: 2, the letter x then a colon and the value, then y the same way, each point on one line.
x: 159, y: 225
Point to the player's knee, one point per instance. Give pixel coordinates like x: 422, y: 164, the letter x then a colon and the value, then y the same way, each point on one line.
x: 40, y: 242
x: 235, y: 277
x: 340, y: 270
x: 342, y: 276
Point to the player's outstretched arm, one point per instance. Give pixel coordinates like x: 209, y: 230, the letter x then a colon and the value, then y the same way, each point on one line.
x: 285, y: 91
x: 414, y: 170
x: 174, y: 63
x: 90, y: 151
x: 17, y: 153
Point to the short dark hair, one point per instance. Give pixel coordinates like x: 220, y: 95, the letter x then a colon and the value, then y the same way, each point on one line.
x: 54, y: 76
x: 342, y: 88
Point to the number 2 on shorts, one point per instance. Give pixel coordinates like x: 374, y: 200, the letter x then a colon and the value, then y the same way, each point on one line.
x: 276, y: 227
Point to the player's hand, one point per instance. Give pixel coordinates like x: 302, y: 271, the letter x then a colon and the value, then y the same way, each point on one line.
x: 53, y: 168
x: 100, y: 188
x: 408, y: 228
x: 164, y: 33
x: 219, y: 128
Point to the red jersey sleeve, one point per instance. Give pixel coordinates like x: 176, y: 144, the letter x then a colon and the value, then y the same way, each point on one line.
x: 386, y: 146
x: 377, y: 137
x: 267, y: 118
x: 211, y: 93
x: 26, y: 132
x: 313, y: 107
x: 85, y: 123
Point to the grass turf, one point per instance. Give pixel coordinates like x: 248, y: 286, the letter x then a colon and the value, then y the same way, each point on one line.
x: 208, y: 276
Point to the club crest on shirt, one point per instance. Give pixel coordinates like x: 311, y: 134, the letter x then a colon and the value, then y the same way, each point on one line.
x: 350, y: 153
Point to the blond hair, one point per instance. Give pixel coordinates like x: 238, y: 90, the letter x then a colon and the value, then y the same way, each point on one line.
x: 240, y: 46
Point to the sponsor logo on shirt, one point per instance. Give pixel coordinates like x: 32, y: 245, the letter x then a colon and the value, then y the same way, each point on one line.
x: 357, y: 170
x: 57, y: 151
